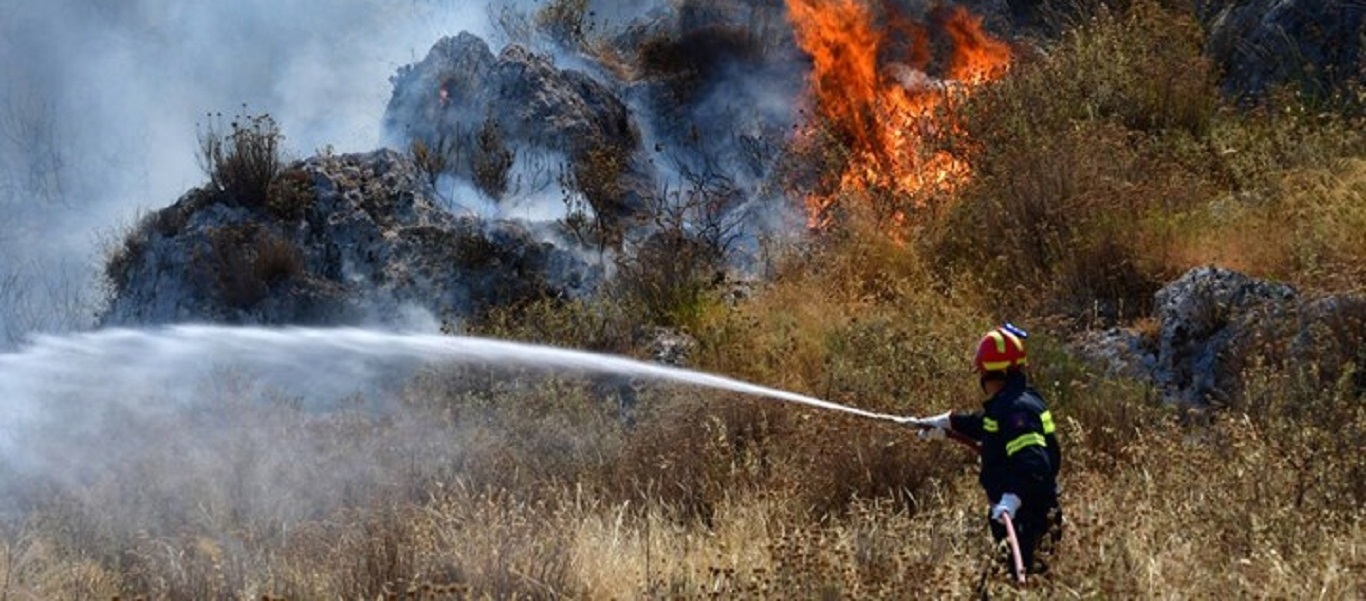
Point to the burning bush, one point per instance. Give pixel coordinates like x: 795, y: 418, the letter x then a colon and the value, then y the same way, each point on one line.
x: 872, y: 91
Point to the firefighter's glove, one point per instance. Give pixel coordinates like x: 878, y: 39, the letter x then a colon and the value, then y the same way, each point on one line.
x: 934, y: 427
x: 1007, y: 506
x: 931, y: 434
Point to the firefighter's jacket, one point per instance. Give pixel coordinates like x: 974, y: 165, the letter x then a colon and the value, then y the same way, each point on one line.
x: 1020, y: 452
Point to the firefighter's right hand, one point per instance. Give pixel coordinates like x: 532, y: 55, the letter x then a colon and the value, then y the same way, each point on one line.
x: 931, y: 434
x: 934, y: 427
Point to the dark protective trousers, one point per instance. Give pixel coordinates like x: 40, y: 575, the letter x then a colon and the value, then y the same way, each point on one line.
x: 1038, y: 525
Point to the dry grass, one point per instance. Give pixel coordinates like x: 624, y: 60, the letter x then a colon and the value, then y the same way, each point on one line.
x: 1311, y: 233
x: 731, y: 498
x: 482, y: 483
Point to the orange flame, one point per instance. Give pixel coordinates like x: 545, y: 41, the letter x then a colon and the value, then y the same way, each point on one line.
x: 869, y: 87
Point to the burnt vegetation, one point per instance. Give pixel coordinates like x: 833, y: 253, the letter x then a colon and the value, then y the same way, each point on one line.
x: 245, y: 262
x: 246, y: 165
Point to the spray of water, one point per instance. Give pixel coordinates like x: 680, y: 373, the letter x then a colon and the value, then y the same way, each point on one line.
x: 210, y: 428
x: 312, y: 360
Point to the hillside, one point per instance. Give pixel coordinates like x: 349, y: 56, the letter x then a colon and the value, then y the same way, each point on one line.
x: 834, y: 198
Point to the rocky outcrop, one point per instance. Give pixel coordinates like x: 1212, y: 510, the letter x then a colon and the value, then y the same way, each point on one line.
x: 462, y: 98
x: 344, y: 239
x: 1213, y: 325
x: 1316, y: 45
x: 1202, y: 315
x: 460, y: 84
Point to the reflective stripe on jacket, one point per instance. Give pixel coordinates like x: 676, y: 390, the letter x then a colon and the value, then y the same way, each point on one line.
x: 1020, y: 452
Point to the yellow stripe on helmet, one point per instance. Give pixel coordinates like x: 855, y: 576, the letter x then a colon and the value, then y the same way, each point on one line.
x: 1000, y: 340
x: 1013, y: 338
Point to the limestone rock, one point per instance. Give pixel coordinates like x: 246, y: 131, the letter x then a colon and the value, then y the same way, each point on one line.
x: 358, y: 240
x: 1316, y: 44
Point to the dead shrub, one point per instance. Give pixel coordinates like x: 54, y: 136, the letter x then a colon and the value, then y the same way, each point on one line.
x: 245, y: 262
x: 564, y: 21
x: 594, y: 194
x: 491, y: 160
x: 437, y: 157
x: 290, y: 194
x: 1073, y: 203
x: 243, y: 159
x: 1042, y: 230
x: 122, y: 258
x: 668, y: 278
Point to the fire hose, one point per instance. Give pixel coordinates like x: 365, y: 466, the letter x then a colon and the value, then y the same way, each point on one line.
x: 924, y: 424
x: 1012, y: 540
x: 1014, y: 547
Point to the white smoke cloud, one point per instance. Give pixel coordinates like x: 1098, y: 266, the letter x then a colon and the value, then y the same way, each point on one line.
x: 99, y: 109
x: 99, y: 112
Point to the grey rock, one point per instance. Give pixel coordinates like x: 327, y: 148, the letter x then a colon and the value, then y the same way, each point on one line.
x: 538, y: 108
x: 1213, y: 326
x: 671, y: 347
x: 366, y: 244
x: 1200, y: 315
x: 1119, y: 351
x: 1315, y: 44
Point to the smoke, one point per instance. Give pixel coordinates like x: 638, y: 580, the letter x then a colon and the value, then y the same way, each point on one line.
x: 99, y: 110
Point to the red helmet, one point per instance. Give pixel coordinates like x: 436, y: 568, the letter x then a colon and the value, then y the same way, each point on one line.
x: 1001, y: 349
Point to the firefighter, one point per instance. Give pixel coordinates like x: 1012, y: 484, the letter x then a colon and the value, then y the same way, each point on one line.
x: 1019, y: 449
